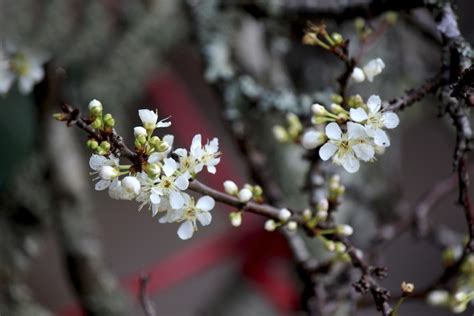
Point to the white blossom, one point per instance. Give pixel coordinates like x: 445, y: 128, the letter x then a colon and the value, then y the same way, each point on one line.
x: 270, y: 225
x: 157, y: 157
x: 438, y: 297
x: 131, y: 185
x: 347, y: 148
x: 284, y: 214
x: 375, y: 120
x: 190, y: 213
x: 139, y: 131
x: 230, y: 187
x: 150, y: 119
x: 200, y: 156
x: 373, y: 68
x: 106, y: 168
x: 28, y: 68
x: 358, y: 74
x: 292, y: 225
x: 95, y: 106
x: 345, y: 230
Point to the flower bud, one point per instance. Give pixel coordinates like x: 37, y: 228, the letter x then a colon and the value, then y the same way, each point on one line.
x: 108, y: 172
x: 109, y: 120
x: 139, y: 131
x: 329, y: 245
x: 358, y: 75
x: 230, y: 187
x: 245, y: 195
x: 284, y: 214
x: 92, y: 144
x: 95, y: 107
x: 131, y: 185
x: 307, y: 214
x: 337, y: 109
x: 270, y: 225
x: 318, y: 109
x: 235, y: 218
x: 153, y: 169
x: 312, y: 139
x: 309, y: 39
x: 322, y: 215
x: 337, y: 98
x: 340, y: 247
x: 162, y: 147
x: 292, y: 225
x: 345, y: 230
x: 337, y: 38
x: 280, y: 134
x: 155, y: 141
x: 149, y: 119
x: 407, y: 288
x: 257, y: 191
x: 105, y: 145
x: 323, y: 205
x: 438, y: 297
x: 97, y: 123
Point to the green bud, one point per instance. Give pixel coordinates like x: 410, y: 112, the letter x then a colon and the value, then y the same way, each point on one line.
x: 97, y: 123
x: 235, y: 218
x: 340, y: 247
x: 153, y: 169
x: 329, y: 245
x: 337, y: 109
x: 101, y: 151
x: 95, y: 108
x: 162, y: 147
x: 280, y: 134
x: 391, y: 17
x: 105, y: 145
x: 359, y: 24
x: 257, y: 191
x: 59, y: 116
x: 337, y: 38
x: 307, y: 214
x: 109, y: 120
x: 337, y: 98
x: 92, y: 144
x: 155, y: 141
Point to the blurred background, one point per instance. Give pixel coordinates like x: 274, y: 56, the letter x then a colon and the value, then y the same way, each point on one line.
x: 213, y: 67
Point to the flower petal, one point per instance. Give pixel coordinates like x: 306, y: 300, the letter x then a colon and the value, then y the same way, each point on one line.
x: 181, y: 152
x: 374, y: 103
x: 390, y: 120
x: 155, y: 198
x: 364, y: 152
x: 97, y: 161
x: 211, y: 169
x: 176, y: 200
x: 182, y: 182
x: 350, y: 163
x: 170, y: 166
x: 186, y: 230
x: 327, y: 151
x: 204, y: 218
x: 381, y: 138
x: 358, y: 115
x: 333, y: 131
x: 355, y: 130
x: 155, y: 157
x: 205, y: 203
x: 102, y: 185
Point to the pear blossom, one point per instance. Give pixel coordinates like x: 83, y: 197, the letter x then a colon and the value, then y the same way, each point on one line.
x: 375, y: 120
x: 347, y: 148
x: 106, y: 168
x: 373, y: 68
x: 150, y: 120
x: 191, y: 213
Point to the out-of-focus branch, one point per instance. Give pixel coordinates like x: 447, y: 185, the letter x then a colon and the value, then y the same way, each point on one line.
x: 293, y: 10
x: 144, y: 298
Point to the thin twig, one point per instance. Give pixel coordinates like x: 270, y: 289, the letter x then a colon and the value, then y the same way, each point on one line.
x: 145, y: 301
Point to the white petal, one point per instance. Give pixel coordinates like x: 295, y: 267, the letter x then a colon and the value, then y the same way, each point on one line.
x: 390, y: 120
x: 333, y: 131
x: 327, y: 151
x: 355, y: 131
x: 155, y: 198
x: 176, y: 200
x: 364, y: 152
x: 350, y: 163
x: 155, y: 157
x: 211, y: 169
x: 163, y: 123
x: 169, y: 139
x: 182, y: 182
x: 154, y: 210
x: 205, y: 203
x: 102, y: 185
x: 36, y: 73
x: 358, y: 115
x: 148, y: 117
x: 181, y: 152
x: 196, y: 144
x: 97, y: 161
x: 204, y: 218
x: 374, y: 103
x: 170, y: 166
x: 213, y: 146
x: 186, y: 230
x: 381, y: 138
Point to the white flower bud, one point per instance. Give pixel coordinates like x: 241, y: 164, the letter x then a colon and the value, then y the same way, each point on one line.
x: 459, y: 308
x: 131, y: 185
x: 312, y: 139
x: 358, y: 75
x: 108, y: 172
x: 322, y: 215
x: 139, y: 131
x: 318, y: 109
x: 236, y: 218
x: 323, y: 205
x: 340, y: 247
x: 460, y: 296
x: 95, y: 106
x: 284, y: 214
x: 245, y: 195
x: 330, y: 245
x: 345, y: 230
x: 230, y: 187
x: 307, y: 214
x: 148, y: 118
x: 373, y: 68
x: 292, y: 225
x: 438, y: 297
x: 270, y: 225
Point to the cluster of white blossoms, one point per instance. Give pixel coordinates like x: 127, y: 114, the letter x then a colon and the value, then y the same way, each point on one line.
x: 164, y: 175
x: 364, y: 134
x: 23, y: 65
